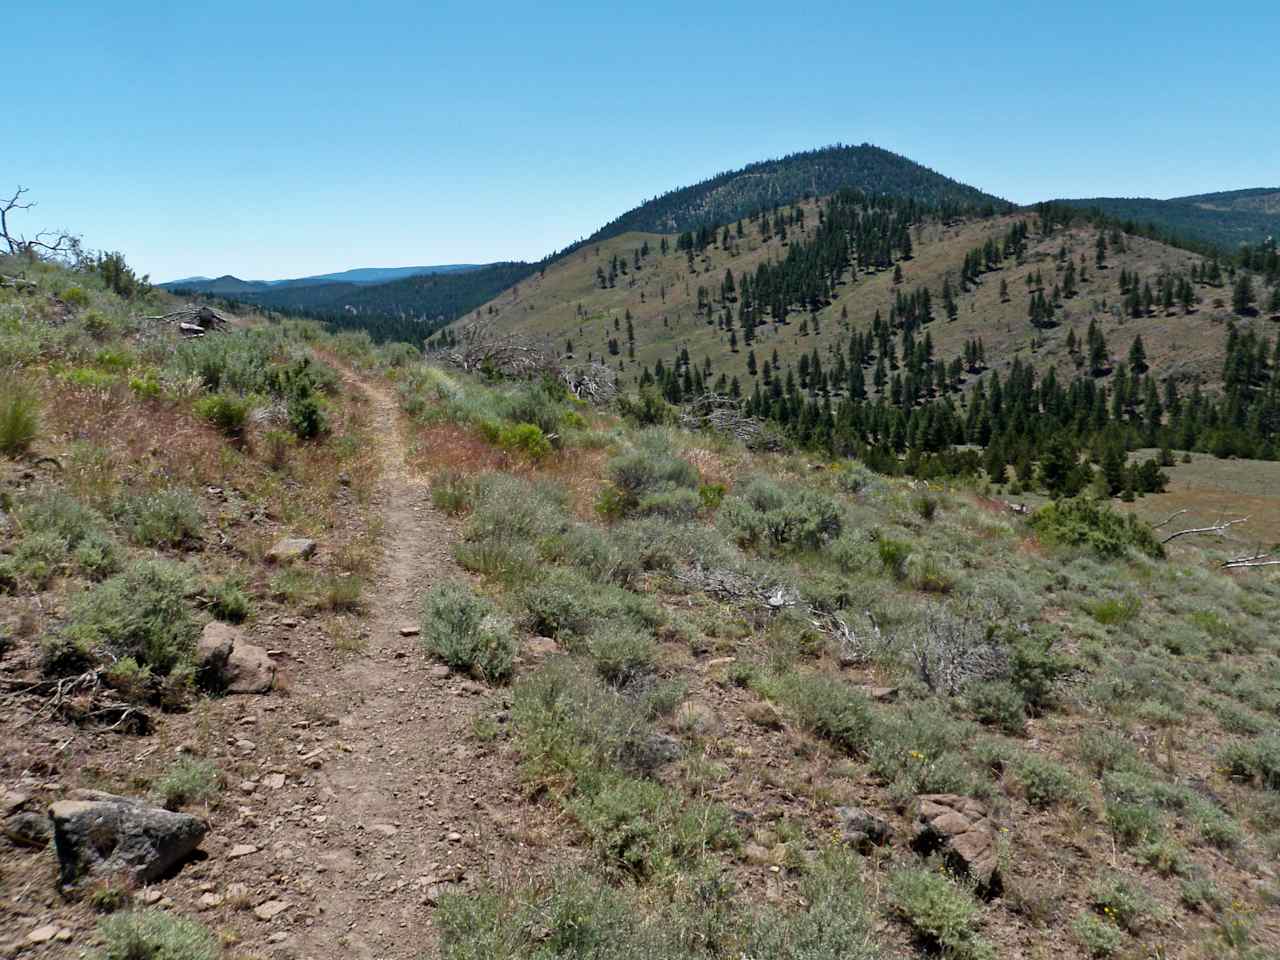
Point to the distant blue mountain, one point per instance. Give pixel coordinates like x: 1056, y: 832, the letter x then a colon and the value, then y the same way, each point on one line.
x: 361, y: 276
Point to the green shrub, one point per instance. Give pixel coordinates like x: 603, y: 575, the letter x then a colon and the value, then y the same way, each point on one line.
x: 160, y: 518
x: 785, y: 519
x: 155, y: 935
x: 229, y: 601
x: 465, y: 631
x: 679, y: 504
x: 1098, y: 937
x: 1165, y: 856
x: 1133, y: 823
x: 1123, y: 904
x: 893, y: 556
x: 1085, y: 522
x: 940, y: 913
x: 621, y: 653
x: 76, y: 296
x: 145, y: 386
x: 525, y: 440
x: 226, y: 412
x: 1115, y: 611
x: 998, y: 703
x: 925, y: 506
x: 1201, y: 893
x: 651, y: 475
x: 711, y: 495
x: 453, y: 493
x: 640, y: 829
x: 342, y: 592
x: 188, y: 781
x: 1255, y: 760
x: 140, y: 613
x: 37, y: 559
x: 829, y: 708
x: 926, y: 574
x: 306, y: 413
x: 19, y: 419
x: 1045, y: 783
x: 567, y: 605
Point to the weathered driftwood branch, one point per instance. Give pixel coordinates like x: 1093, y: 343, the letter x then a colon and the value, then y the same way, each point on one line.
x: 1218, y: 528
x: 46, y: 243
x: 1254, y: 560
x: 1172, y: 517
x: 17, y: 283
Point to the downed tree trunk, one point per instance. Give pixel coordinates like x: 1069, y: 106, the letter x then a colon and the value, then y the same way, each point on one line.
x: 193, y: 321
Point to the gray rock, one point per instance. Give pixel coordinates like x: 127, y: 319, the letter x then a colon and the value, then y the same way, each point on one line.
x: 229, y: 663
x: 862, y: 829
x: 291, y: 549
x: 100, y: 833
x: 963, y: 832
x: 27, y: 829
x: 658, y: 749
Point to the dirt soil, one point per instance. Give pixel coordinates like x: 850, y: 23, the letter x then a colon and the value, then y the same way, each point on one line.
x: 356, y: 795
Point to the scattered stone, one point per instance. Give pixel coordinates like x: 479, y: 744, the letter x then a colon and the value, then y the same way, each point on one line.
x: 386, y: 829
x: 882, y: 694
x: 245, y: 747
x: 455, y: 837
x: 210, y: 900
x: 248, y: 786
x: 42, y: 934
x: 291, y: 549
x: 270, y: 910
x: 439, y: 671
x: 473, y: 687
x: 101, y: 833
x: 228, y: 663
x: 12, y: 801
x: 960, y: 828
x: 150, y: 896
x: 241, y: 850
x: 273, y: 781
x: 541, y: 647
x: 863, y: 830
x: 764, y: 714
x: 409, y: 631
x: 28, y: 829
x: 755, y: 853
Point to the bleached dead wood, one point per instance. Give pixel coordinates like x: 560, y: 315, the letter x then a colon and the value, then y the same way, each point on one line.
x: 721, y: 413
x: 594, y: 382
x: 481, y: 349
x: 1218, y: 528
x: 193, y: 321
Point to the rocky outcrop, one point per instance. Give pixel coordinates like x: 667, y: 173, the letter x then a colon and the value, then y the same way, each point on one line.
x: 229, y: 663
x: 101, y: 834
x: 959, y: 828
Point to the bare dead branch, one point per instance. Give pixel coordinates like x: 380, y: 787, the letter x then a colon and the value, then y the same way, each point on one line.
x: 193, y: 321
x: 1218, y: 528
x: 1173, y: 516
x: 1264, y: 559
x: 45, y: 244
x: 721, y: 413
x: 481, y: 348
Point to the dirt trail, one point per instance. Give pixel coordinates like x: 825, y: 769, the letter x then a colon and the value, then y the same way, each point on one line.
x: 409, y: 804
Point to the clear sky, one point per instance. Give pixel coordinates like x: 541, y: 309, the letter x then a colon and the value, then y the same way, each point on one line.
x: 280, y: 138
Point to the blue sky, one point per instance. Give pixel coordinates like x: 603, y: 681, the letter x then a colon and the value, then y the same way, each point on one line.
x: 274, y: 139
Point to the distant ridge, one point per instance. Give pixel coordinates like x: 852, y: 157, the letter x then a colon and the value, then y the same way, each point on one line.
x: 361, y: 276
x: 1224, y: 220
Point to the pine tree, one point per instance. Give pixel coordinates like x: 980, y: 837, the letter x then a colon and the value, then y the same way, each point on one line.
x: 1138, y: 356
x: 1242, y: 295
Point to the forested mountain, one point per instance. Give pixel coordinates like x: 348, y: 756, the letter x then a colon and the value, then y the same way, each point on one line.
x: 1222, y: 220
x: 730, y: 196
x: 416, y: 307
x: 872, y: 326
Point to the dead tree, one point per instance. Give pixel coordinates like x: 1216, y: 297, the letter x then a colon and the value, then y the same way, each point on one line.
x: 50, y: 244
x: 1263, y: 559
x: 481, y: 349
x: 1222, y: 526
x: 193, y: 321
x: 593, y: 382
x: 720, y: 413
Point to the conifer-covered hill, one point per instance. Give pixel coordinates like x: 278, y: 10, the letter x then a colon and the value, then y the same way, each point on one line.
x: 732, y: 195
x: 629, y: 301
x: 1225, y: 220
x: 413, y: 308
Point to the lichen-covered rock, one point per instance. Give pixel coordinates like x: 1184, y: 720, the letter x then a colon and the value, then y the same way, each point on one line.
x: 862, y: 829
x: 960, y: 828
x: 102, y: 834
x: 28, y: 829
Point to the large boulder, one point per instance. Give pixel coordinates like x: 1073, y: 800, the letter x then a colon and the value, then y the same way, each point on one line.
x: 102, y: 834
x: 959, y: 828
x: 228, y: 663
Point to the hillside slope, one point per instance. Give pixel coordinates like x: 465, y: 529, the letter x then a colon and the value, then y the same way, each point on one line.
x: 567, y: 304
